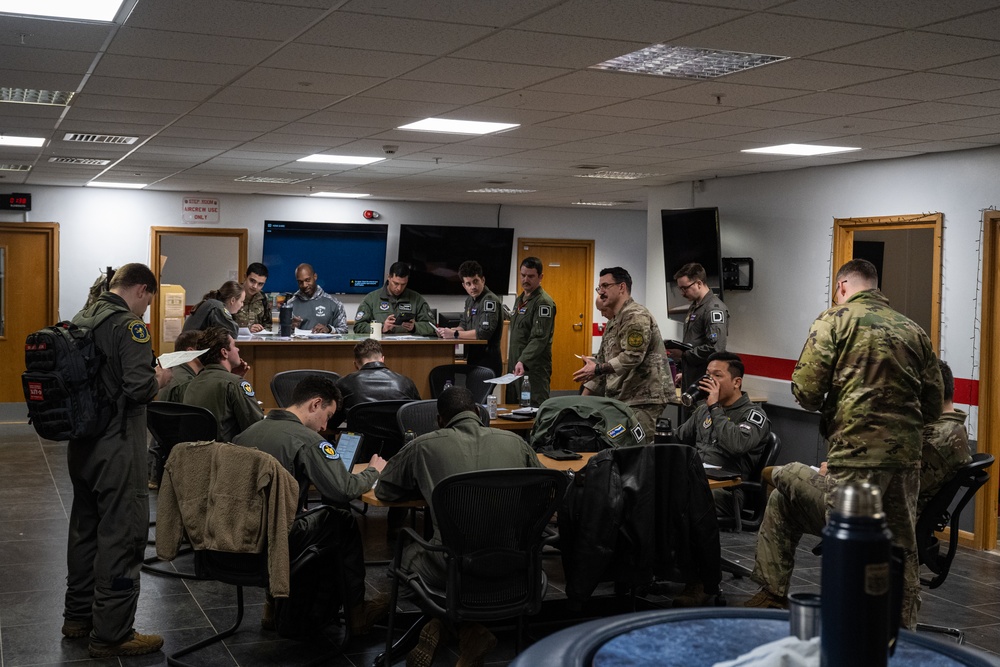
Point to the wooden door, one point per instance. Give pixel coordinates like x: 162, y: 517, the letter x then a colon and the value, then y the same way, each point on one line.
x: 29, y: 295
x: 568, y: 277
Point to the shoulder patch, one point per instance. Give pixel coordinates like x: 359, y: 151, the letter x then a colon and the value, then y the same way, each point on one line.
x: 140, y: 333
x: 718, y: 316
x: 360, y: 315
x: 756, y: 417
x: 616, y: 431
x: 489, y: 306
x: 328, y: 451
x: 544, y: 311
x: 635, y: 339
x: 384, y: 306
x: 638, y: 433
x: 707, y: 423
x: 247, y: 388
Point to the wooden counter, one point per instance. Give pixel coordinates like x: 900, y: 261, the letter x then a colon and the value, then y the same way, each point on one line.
x: 412, y: 358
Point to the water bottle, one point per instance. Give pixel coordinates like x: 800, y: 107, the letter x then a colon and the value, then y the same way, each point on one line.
x: 525, y: 393
x: 855, y: 612
x: 285, y: 317
x: 409, y: 436
x: 447, y: 385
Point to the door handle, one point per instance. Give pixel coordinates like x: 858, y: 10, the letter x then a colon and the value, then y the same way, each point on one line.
x: 578, y: 327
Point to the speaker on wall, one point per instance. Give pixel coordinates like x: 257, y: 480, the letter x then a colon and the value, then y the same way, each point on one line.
x: 692, y: 235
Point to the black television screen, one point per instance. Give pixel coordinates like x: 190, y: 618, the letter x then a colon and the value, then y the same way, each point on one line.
x: 435, y: 252
x: 348, y: 258
x: 692, y: 235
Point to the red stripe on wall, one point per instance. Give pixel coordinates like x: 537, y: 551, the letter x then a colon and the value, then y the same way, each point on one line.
x: 966, y: 391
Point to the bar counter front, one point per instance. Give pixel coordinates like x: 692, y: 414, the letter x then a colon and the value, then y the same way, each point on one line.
x: 411, y: 357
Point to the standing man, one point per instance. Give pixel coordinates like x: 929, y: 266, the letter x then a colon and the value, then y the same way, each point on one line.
x: 872, y: 373
x: 256, y: 311
x: 108, y: 523
x: 399, y: 310
x: 221, y: 387
x: 292, y: 436
x: 482, y: 319
x: 706, y: 324
x: 532, y: 324
x: 630, y: 364
x: 314, y: 309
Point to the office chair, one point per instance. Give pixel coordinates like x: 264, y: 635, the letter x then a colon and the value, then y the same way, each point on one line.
x: 421, y: 416
x: 377, y: 422
x: 754, y: 491
x: 283, y: 383
x: 472, y: 378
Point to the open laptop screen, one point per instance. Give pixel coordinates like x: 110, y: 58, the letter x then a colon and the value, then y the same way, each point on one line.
x: 348, y: 445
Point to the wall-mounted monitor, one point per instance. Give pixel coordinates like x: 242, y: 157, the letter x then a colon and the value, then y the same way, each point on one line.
x: 348, y: 258
x: 435, y: 252
x: 691, y: 235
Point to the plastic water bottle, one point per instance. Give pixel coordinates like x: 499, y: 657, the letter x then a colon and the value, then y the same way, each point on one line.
x: 855, y: 624
x: 447, y: 385
x: 525, y: 393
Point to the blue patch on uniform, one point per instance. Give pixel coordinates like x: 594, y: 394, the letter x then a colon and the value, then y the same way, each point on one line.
x: 247, y: 388
x: 712, y: 337
x: 522, y: 310
x: 472, y: 311
x: 616, y: 431
x: 383, y: 306
x: 140, y: 333
x: 328, y: 451
x: 707, y: 423
x: 360, y: 315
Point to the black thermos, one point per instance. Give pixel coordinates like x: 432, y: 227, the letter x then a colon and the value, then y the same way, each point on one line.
x: 285, y: 317
x: 855, y: 626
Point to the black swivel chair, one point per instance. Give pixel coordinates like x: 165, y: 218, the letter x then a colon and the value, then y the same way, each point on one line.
x: 492, y: 528
x: 754, y: 491
x: 377, y: 422
x: 283, y: 383
x: 472, y: 378
x: 421, y: 416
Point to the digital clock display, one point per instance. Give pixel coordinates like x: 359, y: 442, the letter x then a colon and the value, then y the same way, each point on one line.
x: 18, y: 201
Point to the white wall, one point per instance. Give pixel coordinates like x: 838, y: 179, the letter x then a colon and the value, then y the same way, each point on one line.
x: 784, y: 220
x: 111, y: 227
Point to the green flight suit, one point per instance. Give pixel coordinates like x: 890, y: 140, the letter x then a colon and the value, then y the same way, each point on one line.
x: 174, y: 391
x: 484, y: 316
x: 532, y: 325
x: 227, y: 396
x: 706, y: 329
x: 211, y: 313
x: 377, y: 306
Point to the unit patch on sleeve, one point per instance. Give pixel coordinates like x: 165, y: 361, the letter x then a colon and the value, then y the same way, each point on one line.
x: 635, y: 339
x: 360, y: 315
x: 638, y: 433
x: 140, y: 333
x: 328, y: 451
x: 616, y: 431
x: 756, y: 417
x: 489, y: 306
x: 718, y: 316
x: 544, y: 311
x: 247, y: 388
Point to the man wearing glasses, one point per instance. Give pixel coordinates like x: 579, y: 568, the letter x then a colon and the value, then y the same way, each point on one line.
x: 629, y: 366
x: 706, y: 325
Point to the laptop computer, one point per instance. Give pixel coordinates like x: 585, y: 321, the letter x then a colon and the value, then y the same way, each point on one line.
x: 348, y: 446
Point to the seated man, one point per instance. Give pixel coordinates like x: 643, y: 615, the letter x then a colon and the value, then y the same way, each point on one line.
x: 293, y: 437
x: 461, y: 444
x: 221, y: 387
x: 314, y: 309
x: 799, y: 504
x: 726, y: 427
x: 373, y: 381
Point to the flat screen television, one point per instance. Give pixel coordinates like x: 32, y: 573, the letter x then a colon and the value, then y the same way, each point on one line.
x: 435, y: 252
x: 691, y: 235
x: 348, y: 258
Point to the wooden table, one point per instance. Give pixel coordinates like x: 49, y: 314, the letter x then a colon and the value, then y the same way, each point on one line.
x: 412, y: 358
x: 510, y: 425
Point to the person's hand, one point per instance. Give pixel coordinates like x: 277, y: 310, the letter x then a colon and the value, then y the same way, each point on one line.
x: 588, y: 372
x: 678, y: 378
x: 822, y: 469
x: 242, y: 369
x: 710, y: 385
x: 296, y: 321
x: 322, y: 328
x: 674, y: 354
x: 519, y: 369
x: 255, y: 327
x: 410, y: 325
x: 163, y: 376
x: 442, y: 332
x: 389, y: 323
x: 377, y: 462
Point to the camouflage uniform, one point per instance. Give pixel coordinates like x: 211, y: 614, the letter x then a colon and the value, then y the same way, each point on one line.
x: 377, y: 306
x: 256, y: 310
x: 873, y: 374
x: 706, y: 328
x: 945, y: 450
x: 227, y: 396
x: 532, y: 324
x: 484, y: 316
x: 730, y: 437
x: 320, y: 308
x: 633, y: 346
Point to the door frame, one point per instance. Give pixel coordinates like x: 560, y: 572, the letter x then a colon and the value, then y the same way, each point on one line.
x: 157, y: 234
x: 50, y: 230
x: 987, y: 439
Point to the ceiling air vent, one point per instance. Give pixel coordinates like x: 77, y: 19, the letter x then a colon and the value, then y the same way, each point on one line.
x: 267, y: 179
x: 15, y: 167
x: 99, y: 138
x: 90, y: 161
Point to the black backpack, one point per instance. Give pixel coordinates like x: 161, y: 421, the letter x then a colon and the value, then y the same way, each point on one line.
x: 67, y: 400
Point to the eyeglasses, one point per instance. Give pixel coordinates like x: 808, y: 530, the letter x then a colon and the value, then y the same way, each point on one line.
x: 603, y: 287
x: 685, y: 288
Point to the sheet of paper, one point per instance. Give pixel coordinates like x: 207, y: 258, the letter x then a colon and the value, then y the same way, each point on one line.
x: 709, y: 466
x: 503, y: 379
x: 243, y: 331
x: 171, y: 359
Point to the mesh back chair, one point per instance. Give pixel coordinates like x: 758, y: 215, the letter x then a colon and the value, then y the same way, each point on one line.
x: 492, y: 528
x: 472, y: 378
x: 421, y: 416
x: 754, y: 490
x: 377, y: 422
x: 942, y: 511
x: 283, y: 383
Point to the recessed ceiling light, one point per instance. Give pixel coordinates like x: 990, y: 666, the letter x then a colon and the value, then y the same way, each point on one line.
x: 90, y: 10
x: 452, y: 126
x: 56, y: 98
x: 9, y: 140
x: 15, y: 167
x: 502, y: 191
x: 341, y: 195
x: 685, y: 62
x: 618, y: 175
x: 801, y: 150
x: 596, y: 203
x: 88, y: 161
x: 340, y: 159
x: 112, y: 184
x: 266, y: 179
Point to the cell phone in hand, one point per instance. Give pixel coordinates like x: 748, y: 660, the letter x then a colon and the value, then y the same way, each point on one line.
x: 404, y: 317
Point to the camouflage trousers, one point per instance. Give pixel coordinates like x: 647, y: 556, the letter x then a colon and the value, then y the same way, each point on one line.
x: 800, y: 504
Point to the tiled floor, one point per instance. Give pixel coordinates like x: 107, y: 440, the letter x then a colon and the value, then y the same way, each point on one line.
x: 35, y: 496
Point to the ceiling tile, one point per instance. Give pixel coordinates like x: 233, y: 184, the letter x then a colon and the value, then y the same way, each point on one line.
x: 929, y: 112
x: 483, y: 73
x: 833, y: 104
x: 405, y: 91
x: 811, y: 75
x: 357, y: 31
x: 914, y: 51
x: 528, y: 48
x: 456, y: 11
x: 310, y: 83
x: 228, y: 18
x: 337, y: 60
x: 190, y: 47
x: 157, y: 90
x: 923, y: 86
x: 895, y: 13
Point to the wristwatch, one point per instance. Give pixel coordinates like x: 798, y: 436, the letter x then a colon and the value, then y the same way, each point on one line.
x: 456, y: 334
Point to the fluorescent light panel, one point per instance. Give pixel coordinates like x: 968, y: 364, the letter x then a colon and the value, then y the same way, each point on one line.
x: 340, y: 159
x: 86, y: 10
x: 10, y: 140
x: 596, y: 203
x: 56, y: 98
x: 112, y: 184
x: 801, y: 150
x: 618, y: 175
x: 341, y: 195
x: 452, y: 126
x: 685, y: 62
x: 501, y: 191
